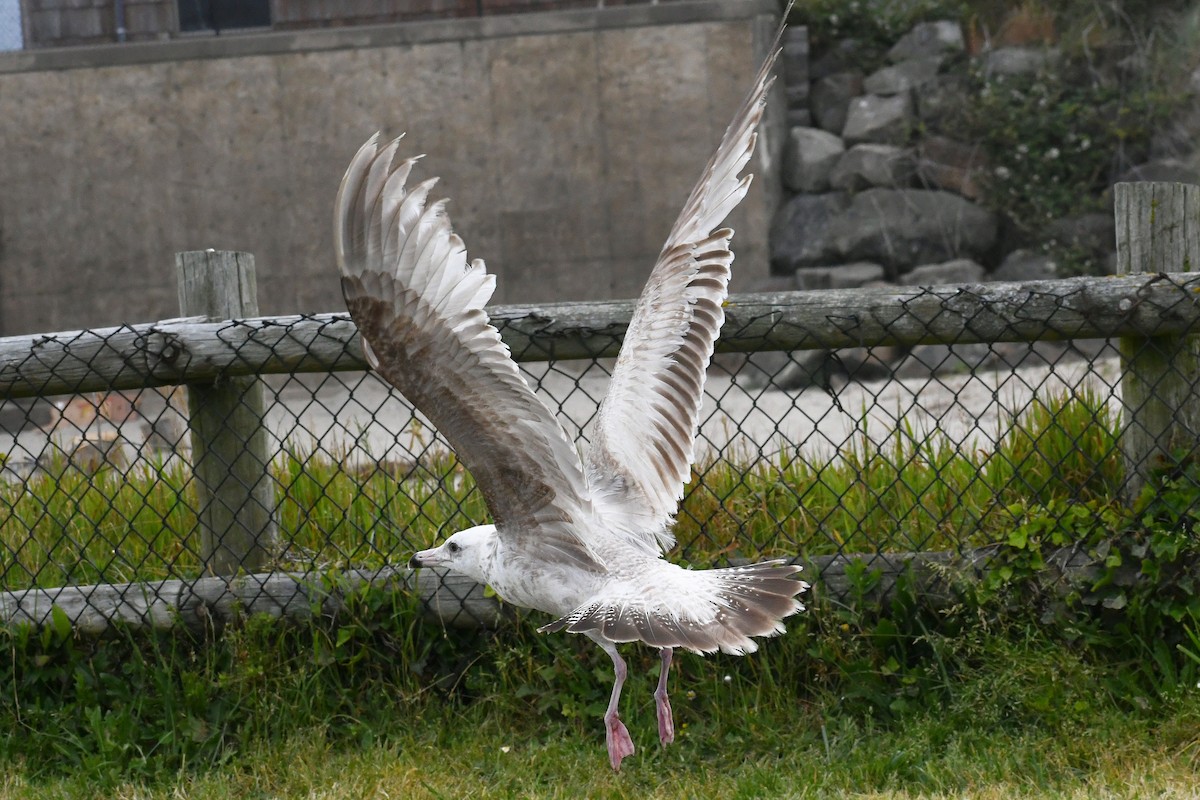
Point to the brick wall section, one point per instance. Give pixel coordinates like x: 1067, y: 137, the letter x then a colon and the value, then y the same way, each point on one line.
x: 66, y: 23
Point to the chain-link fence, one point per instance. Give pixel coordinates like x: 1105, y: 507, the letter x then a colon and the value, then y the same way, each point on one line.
x: 187, y: 469
x: 191, y: 470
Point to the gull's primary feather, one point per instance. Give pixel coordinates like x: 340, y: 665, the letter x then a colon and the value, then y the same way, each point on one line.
x: 419, y: 308
x: 643, y: 443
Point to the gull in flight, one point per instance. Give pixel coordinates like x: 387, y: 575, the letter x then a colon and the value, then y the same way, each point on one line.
x: 580, y: 539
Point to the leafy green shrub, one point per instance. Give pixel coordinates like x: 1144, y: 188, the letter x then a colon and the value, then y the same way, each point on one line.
x: 1052, y: 140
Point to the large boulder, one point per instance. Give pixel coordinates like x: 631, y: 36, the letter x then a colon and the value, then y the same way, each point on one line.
x: 808, y: 157
x: 802, y: 231
x: 903, y: 77
x: 882, y: 120
x: 867, y: 165
x: 927, y: 39
x: 831, y: 96
x: 900, y: 228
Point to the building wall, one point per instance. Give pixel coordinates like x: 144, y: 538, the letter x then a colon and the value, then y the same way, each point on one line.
x: 567, y: 142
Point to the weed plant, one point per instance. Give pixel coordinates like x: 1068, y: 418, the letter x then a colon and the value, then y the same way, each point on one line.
x: 914, y: 491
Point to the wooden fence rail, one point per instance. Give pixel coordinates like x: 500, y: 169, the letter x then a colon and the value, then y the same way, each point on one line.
x: 195, y: 350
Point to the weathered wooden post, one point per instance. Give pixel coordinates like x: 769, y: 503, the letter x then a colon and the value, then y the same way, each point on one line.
x: 1158, y: 230
x: 229, y: 441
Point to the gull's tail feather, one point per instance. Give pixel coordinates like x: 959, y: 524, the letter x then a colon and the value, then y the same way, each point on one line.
x: 702, y: 611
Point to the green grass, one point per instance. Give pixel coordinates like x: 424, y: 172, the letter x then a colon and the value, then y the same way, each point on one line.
x: 904, y: 701
x: 915, y: 491
x: 1028, y: 719
x: 469, y: 755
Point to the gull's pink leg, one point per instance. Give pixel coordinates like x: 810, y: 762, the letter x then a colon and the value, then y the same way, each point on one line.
x: 666, y: 726
x: 616, y: 734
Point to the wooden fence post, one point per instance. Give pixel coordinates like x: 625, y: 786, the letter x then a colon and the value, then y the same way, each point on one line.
x: 229, y: 441
x: 1158, y: 230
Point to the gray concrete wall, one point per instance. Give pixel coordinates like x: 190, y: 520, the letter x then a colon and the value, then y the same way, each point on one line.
x: 567, y: 142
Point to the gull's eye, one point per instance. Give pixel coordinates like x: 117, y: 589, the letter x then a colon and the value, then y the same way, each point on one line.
x: 453, y: 547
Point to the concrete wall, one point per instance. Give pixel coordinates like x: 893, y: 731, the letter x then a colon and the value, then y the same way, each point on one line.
x: 567, y: 142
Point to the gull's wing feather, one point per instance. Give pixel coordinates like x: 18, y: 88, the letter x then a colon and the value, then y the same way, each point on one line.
x: 419, y: 305
x: 642, y: 446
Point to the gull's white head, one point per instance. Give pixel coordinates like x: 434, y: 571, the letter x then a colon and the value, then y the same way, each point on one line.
x: 468, y: 552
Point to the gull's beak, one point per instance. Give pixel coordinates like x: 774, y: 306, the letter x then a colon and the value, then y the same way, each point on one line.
x: 427, y: 558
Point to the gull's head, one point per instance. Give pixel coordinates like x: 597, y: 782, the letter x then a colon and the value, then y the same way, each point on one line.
x: 468, y: 552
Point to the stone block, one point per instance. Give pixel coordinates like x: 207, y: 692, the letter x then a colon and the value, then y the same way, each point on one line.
x: 831, y: 96
x: 929, y: 38
x: 801, y: 232
x: 900, y: 228
x: 882, y: 120
x: 867, y: 165
x: 902, y: 77
x: 808, y: 157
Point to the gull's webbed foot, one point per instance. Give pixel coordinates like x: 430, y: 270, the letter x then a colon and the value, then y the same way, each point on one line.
x: 617, y: 738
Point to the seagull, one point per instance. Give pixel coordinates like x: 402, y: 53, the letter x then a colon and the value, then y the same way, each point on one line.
x: 582, y: 539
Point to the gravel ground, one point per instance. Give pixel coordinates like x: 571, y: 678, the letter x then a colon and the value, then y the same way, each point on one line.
x: 353, y: 417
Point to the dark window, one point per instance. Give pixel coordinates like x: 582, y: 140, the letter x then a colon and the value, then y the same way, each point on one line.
x: 219, y: 15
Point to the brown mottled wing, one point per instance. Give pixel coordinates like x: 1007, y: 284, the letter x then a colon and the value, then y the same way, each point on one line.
x: 419, y: 307
x: 642, y: 446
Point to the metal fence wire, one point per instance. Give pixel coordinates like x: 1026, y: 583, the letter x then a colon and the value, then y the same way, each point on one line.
x: 860, y: 422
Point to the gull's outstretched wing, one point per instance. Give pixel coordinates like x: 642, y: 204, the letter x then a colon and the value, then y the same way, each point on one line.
x: 419, y: 307
x: 641, y: 450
